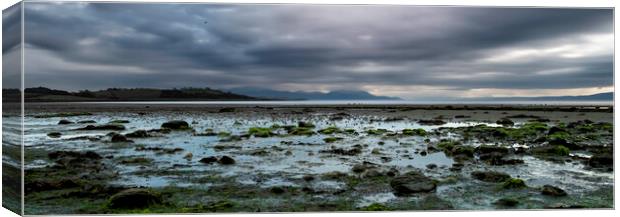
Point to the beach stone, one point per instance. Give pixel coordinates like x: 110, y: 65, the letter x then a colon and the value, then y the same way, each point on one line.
x: 490, y: 176
x: 175, y: 125
x: 508, y: 202
x: 138, y: 134
x: 411, y: 183
x: 54, y: 134
x: 208, y: 160
x: 103, y: 127
x: 505, y: 122
x: 432, y: 122
x: 308, y: 178
x: 119, y: 138
x: 134, y: 198
x: 226, y: 160
x: 63, y: 121
x: 277, y: 190
x: 305, y: 124
x: 553, y: 191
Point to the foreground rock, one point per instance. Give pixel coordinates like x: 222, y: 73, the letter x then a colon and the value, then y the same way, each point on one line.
x: 411, y: 183
x: 490, y: 176
x: 176, y: 125
x: 553, y: 191
x: 134, y: 198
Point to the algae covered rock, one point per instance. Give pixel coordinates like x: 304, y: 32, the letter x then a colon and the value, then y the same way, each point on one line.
x: 134, y: 198
x: 411, y: 183
x: 176, y: 125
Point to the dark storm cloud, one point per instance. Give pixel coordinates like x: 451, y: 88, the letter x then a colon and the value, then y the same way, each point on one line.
x: 99, y: 45
x: 11, y: 50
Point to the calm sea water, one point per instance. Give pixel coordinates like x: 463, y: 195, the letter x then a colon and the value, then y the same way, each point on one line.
x: 367, y: 102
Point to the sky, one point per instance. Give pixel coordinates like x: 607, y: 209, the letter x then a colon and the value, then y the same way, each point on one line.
x: 405, y: 51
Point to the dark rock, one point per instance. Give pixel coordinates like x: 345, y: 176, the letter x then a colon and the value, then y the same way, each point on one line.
x: 138, y: 134
x: 134, y: 198
x: 226, y: 110
x: 341, y: 151
x: 432, y: 122
x: 87, y: 122
x: 63, y: 121
x: 308, y: 178
x: 176, y: 125
x: 208, y: 160
x: 392, y: 172
x: 505, y: 122
x: 509, y: 202
x: 226, y: 160
x: 277, y: 190
x: 103, y: 127
x: 485, y: 149
x: 119, y: 138
x: 411, y: 183
x: 601, y: 160
x: 32, y: 186
x: 490, y: 176
x: 555, y: 129
x: 553, y: 191
x: 431, y: 166
x: 359, y: 168
x: 305, y: 124
x: 54, y: 134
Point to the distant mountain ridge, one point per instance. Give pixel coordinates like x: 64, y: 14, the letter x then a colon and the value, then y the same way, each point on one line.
x: 43, y: 94
x: 302, y: 95
x: 607, y: 96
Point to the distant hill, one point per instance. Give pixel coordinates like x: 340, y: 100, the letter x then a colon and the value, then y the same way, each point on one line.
x: 608, y: 96
x: 302, y: 95
x: 43, y: 94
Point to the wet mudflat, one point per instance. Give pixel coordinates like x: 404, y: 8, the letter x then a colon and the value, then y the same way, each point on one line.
x: 143, y: 159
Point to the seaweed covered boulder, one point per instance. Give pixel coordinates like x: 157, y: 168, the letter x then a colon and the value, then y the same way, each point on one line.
x: 411, y: 183
x: 176, y: 125
x: 134, y: 198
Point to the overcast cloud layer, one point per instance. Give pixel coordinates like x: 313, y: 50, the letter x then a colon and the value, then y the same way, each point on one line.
x: 406, y: 51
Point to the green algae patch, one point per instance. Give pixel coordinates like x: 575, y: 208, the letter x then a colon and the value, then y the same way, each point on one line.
x: 329, y: 130
x: 376, y: 131
x: 332, y: 139
x: 375, y: 207
x: 301, y: 131
x: 415, y: 132
x: 260, y: 132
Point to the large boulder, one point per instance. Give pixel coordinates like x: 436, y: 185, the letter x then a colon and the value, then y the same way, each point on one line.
x: 411, y: 183
x: 176, y: 125
x: 134, y: 198
x: 601, y: 160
